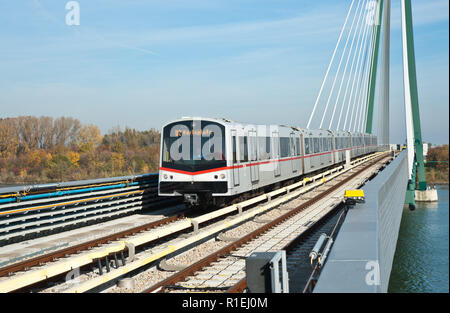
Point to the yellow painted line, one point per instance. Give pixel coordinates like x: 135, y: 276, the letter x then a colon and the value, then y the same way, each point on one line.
x: 172, y: 247
x: 10, y: 195
x: 33, y: 276
x: 95, y: 185
x: 70, y: 202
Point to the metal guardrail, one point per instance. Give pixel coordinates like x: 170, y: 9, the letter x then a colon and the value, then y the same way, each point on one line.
x: 31, y: 210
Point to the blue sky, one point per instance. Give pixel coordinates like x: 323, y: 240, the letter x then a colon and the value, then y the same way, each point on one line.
x: 142, y: 63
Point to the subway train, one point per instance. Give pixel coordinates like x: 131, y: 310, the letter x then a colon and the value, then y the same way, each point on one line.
x: 211, y: 161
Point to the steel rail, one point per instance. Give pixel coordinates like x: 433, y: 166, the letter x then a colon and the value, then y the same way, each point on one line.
x: 110, y: 239
x: 190, y: 270
x: 21, y: 266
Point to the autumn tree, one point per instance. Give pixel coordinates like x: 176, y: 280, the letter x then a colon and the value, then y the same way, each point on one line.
x: 45, y: 149
x: 89, y: 137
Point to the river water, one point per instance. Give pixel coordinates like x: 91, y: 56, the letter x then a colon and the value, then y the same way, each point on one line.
x: 421, y: 258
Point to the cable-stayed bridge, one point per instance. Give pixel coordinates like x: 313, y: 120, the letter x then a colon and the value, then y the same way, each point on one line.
x: 356, y: 254
x: 358, y: 69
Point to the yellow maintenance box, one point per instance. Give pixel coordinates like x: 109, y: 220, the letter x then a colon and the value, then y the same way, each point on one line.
x: 354, y: 193
x: 354, y: 196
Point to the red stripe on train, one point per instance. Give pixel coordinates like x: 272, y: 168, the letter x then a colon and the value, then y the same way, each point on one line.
x: 248, y: 165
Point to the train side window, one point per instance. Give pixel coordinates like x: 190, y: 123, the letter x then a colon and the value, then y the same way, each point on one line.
x: 297, y: 147
x: 291, y: 145
x: 284, y: 147
x: 306, y: 145
x: 234, y: 149
x: 276, y: 146
x: 243, y: 149
x: 316, y: 145
x: 246, y: 149
x: 253, y: 148
x: 264, y: 148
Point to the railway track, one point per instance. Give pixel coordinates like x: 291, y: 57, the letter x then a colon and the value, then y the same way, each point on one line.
x: 109, y: 259
x: 224, y: 270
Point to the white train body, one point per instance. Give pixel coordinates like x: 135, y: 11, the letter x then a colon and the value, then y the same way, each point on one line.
x: 203, y: 158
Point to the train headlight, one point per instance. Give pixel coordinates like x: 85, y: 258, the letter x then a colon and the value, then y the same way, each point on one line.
x: 222, y: 176
x: 165, y: 176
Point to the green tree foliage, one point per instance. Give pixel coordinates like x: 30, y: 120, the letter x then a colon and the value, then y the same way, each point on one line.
x: 437, y: 165
x: 44, y: 149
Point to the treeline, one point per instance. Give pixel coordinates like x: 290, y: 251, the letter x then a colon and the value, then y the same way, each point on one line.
x: 44, y: 149
x: 437, y: 165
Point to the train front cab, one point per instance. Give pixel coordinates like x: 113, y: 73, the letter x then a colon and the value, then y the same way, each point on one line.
x: 193, y: 159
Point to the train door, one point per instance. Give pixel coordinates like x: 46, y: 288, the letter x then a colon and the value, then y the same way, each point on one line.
x: 350, y: 146
x: 276, y: 153
x: 330, y: 150
x: 322, y: 157
x: 294, y: 162
x: 236, y: 160
x: 302, y: 152
x: 254, y: 167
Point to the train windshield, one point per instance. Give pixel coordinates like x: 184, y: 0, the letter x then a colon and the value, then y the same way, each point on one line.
x: 194, y: 145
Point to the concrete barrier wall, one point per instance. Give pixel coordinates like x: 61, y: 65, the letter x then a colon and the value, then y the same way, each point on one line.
x: 391, y: 198
x: 362, y: 255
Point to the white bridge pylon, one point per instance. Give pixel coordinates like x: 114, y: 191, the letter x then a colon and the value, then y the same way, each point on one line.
x: 361, y: 31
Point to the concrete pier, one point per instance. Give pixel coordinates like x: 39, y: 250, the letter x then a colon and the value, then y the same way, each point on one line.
x: 429, y: 195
